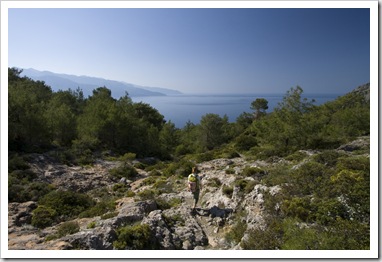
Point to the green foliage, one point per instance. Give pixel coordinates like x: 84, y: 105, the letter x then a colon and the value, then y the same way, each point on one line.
x: 214, y: 182
x: 43, y: 216
x: 66, y: 204
x: 213, y: 131
x: 260, y: 105
x: 147, y: 194
x: 27, y: 101
x: 253, y: 171
x: 17, y: 162
x: 109, y: 215
x: 91, y: 225
x: 99, y: 209
x: 163, y: 205
x: 136, y: 237
x: 181, y: 168
x: 173, y: 220
x: 68, y: 228
x: 327, y: 157
x: 21, y: 185
x: 125, y: 170
x: 227, y: 190
x: 245, y: 142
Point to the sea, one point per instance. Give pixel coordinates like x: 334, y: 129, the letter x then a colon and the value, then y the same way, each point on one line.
x: 179, y: 109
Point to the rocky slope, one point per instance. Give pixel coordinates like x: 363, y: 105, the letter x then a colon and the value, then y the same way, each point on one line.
x: 173, y: 227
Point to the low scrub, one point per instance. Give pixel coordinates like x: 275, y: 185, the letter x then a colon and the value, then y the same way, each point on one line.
x: 137, y: 237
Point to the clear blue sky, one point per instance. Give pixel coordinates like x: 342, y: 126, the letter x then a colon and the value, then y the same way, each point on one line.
x: 199, y: 50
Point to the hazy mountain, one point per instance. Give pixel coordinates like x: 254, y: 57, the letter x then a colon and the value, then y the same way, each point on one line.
x: 88, y: 84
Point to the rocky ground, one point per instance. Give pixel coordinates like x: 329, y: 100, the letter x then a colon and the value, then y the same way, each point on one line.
x: 174, y: 228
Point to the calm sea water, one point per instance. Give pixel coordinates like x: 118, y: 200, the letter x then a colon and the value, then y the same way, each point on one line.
x: 191, y: 107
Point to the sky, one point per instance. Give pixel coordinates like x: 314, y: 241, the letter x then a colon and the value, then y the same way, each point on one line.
x: 199, y: 50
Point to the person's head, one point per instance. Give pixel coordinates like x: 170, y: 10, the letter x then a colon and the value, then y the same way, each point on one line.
x: 194, y: 169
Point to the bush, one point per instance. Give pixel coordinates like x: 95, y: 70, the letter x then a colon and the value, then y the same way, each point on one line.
x: 171, y: 221
x: 68, y: 228
x: 163, y: 205
x: 296, y: 156
x: 228, y: 191
x: 21, y: 190
x: 214, y: 182
x: 328, y: 157
x: 271, y: 237
x: 99, y: 209
x: 43, y: 216
x: 236, y: 233
x: 253, y: 171
x: 136, y: 237
x: 17, y: 163
x: 67, y: 204
x: 91, y: 225
x: 109, y: 215
x: 181, y: 169
x: 125, y: 170
x: 245, y: 142
x: 147, y: 194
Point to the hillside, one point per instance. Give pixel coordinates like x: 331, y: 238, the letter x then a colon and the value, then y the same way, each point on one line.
x: 233, y: 202
x: 101, y: 173
x: 88, y: 84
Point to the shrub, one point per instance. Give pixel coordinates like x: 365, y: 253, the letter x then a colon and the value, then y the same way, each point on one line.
x: 174, y: 219
x: 21, y: 190
x: 155, y: 173
x: 162, y: 186
x: 68, y: 228
x: 181, y: 169
x: 99, y: 209
x: 128, y: 156
x: 228, y: 191
x: 67, y: 204
x: 236, y: 233
x: 245, y: 142
x: 147, y: 194
x: 253, y: 171
x: 203, y: 157
x: 277, y: 175
x: 230, y: 171
x: 109, y: 215
x: 140, y: 165
x: 271, y: 237
x: 134, y: 237
x: 214, y: 182
x: 327, y: 157
x: 125, y: 170
x: 91, y: 225
x: 173, y: 202
x: 296, y: 156
x: 17, y: 163
x: 43, y: 216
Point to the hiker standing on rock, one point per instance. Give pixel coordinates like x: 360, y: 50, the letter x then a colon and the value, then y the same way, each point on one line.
x: 194, y: 185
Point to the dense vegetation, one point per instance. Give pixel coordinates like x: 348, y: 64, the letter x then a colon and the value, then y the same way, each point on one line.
x: 324, y: 204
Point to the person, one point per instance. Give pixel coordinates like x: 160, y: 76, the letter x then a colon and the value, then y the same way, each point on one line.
x: 194, y: 185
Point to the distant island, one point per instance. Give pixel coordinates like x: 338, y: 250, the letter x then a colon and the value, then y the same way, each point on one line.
x: 88, y: 84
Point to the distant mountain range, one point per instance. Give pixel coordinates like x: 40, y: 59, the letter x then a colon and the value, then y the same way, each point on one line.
x: 88, y: 84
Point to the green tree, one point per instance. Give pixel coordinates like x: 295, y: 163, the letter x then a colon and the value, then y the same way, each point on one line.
x: 169, y: 139
x: 61, y: 118
x: 27, y: 102
x: 286, y: 128
x: 260, y: 105
x: 97, y: 123
x: 213, y: 130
